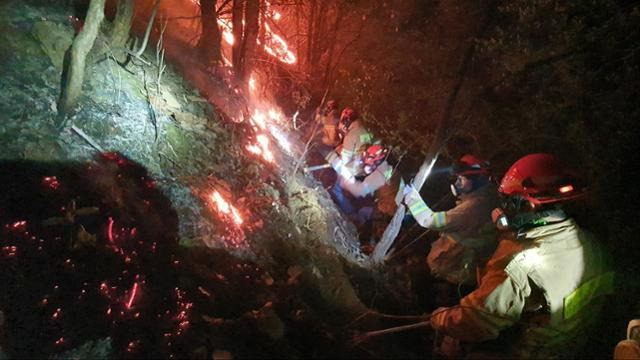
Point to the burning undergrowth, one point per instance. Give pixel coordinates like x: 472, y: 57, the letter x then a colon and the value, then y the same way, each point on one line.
x: 93, y: 268
x: 89, y: 253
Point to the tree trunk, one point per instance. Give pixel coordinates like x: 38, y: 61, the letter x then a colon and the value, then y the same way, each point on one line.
x: 75, y: 58
x: 252, y: 17
x: 209, y: 44
x: 237, y: 12
x: 121, y: 27
x: 310, y: 35
x: 332, y: 47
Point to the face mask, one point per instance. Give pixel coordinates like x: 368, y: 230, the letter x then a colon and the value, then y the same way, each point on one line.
x: 528, y: 220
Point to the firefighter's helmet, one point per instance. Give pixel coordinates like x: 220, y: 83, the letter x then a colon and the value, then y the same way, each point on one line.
x: 471, y: 165
x: 373, y: 156
x: 347, y: 117
x: 541, y: 179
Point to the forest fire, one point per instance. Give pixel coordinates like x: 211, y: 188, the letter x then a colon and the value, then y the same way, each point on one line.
x: 274, y: 44
x: 278, y: 48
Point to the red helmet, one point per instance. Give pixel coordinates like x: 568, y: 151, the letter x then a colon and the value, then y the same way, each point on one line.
x: 348, y: 116
x: 471, y: 165
x: 541, y: 179
x: 373, y: 156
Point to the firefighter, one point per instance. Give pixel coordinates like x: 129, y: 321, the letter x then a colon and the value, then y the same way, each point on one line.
x: 375, y: 172
x: 327, y: 117
x: 353, y: 136
x: 467, y: 234
x: 373, y: 195
x: 629, y: 348
x: 542, y: 288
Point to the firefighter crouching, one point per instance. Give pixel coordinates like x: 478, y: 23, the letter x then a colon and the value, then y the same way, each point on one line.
x: 327, y: 117
x: 542, y: 289
x: 467, y: 234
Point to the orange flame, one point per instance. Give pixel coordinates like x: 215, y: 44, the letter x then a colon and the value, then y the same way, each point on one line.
x: 274, y: 45
x: 226, y: 208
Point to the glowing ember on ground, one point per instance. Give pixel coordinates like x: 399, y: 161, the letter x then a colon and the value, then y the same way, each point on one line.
x: 110, y: 230
x: 134, y: 291
x: 51, y: 182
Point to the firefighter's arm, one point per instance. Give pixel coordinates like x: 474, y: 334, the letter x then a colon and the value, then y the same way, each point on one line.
x: 496, y: 305
x: 368, y: 186
x: 349, y: 145
x: 422, y: 212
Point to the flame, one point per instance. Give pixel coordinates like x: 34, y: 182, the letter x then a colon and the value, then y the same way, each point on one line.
x: 263, y: 141
x: 223, y: 205
x: 252, y: 83
x: 227, y: 31
x: 259, y: 119
x: 281, y: 138
x: 226, y: 208
x: 274, y: 44
x: 236, y: 216
x: 277, y: 47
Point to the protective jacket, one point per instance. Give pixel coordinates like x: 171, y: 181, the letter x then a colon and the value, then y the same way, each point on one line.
x: 329, y: 122
x: 545, y: 286
x: 357, y: 136
x: 467, y: 233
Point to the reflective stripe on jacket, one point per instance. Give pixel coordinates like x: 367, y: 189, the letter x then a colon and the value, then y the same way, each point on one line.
x: 353, y: 140
x: 558, y: 262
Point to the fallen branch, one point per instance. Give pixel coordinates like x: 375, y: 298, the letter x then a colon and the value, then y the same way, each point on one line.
x: 86, y: 138
x: 160, y: 57
x: 147, y: 32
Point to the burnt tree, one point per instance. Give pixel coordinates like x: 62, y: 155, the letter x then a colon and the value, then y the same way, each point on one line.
x: 246, y: 26
x: 252, y: 26
x: 237, y: 14
x: 75, y: 60
x: 209, y: 44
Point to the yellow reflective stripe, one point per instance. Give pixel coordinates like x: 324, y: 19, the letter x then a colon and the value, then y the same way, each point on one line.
x: 366, y: 138
x: 585, y: 293
x: 439, y: 219
x: 347, y: 153
x: 418, y: 208
x: 388, y: 173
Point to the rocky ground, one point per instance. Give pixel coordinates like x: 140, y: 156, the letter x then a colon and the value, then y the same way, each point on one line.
x: 289, y: 281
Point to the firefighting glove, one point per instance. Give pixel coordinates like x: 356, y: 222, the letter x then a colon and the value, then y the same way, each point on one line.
x: 418, y: 208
